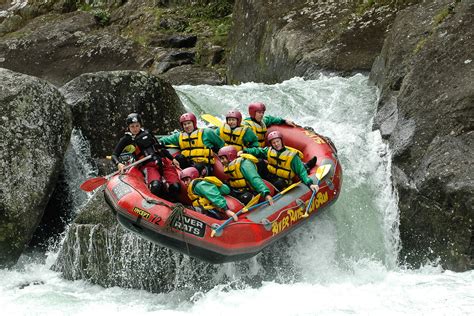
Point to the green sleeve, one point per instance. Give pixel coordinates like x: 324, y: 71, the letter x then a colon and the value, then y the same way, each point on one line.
x: 211, y: 140
x: 224, y: 189
x: 212, y: 193
x: 298, y: 167
x: 249, y: 171
x: 257, y: 152
x: 218, y: 131
x: 171, y: 139
x: 250, y: 139
x: 273, y: 120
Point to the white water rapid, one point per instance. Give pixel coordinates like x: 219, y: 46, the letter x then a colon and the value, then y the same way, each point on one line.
x: 345, y: 260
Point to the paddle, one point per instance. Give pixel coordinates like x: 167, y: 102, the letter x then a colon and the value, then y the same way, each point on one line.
x: 93, y: 183
x: 243, y: 210
x: 249, y: 207
x: 321, y: 172
x: 212, y: 120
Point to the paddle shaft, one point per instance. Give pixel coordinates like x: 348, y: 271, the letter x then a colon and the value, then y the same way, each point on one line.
x: 93, y: 183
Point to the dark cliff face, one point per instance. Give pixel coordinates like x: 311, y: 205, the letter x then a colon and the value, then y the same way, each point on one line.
x: 272, y: 42
x: 426, y: 76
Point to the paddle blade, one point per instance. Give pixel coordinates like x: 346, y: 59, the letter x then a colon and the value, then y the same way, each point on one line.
x: 250, y: 203
x: 322, y: 171
x: 212, y: 120
x: 92, y: 184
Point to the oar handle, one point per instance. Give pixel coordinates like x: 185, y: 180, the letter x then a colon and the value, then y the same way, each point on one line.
x: 306, y: 213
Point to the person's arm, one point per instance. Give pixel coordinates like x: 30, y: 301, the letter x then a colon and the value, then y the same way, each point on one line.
x: 171, y: 139
x: 218, y: 131
x: 273, y: 120
x: 211, y: 140
x: 250, y: 139
x: 257, y: 151
x: 123, y: 142
x: 298, y: 167
x: 249, y: 171
x: 212, y: 193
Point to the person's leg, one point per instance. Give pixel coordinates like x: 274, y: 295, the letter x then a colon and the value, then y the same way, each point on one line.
x: 277, y: 182
x: 311, y: 163
x: 153, y: 178
x: 171, y: 177
x: 184, y: 162
x: 243, y: 196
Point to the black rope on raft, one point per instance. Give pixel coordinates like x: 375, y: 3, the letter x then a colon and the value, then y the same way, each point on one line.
x: 177, y: 213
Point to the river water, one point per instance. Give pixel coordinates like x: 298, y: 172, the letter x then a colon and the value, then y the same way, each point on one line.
x: 343, y: 262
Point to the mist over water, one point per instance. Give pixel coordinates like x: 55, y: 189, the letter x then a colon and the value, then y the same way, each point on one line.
x: 343, y: 262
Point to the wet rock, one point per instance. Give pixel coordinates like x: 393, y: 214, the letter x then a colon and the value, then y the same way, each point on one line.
x: 61, y: 47
x: 212, y: 55
x: 174, y: 41
x: 101, y: 101
x: 173, y: 59
x: 34, y: 133
x: 426, y: 77
x: 193, y: 75
x: 272, y: 42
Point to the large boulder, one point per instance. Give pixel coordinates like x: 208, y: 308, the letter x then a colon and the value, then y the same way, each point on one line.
x: 101, y: 101
x: 277, y: 40
x: 34, y: 133
x: 426, y: 76
x: 59, y: 47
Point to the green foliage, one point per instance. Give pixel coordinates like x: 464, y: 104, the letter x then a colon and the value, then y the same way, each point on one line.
x: 86, y: 7
x: 102, y: 16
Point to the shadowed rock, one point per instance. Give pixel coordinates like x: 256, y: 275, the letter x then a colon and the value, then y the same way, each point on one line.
x: 34, y: 132
x: 101, y: 101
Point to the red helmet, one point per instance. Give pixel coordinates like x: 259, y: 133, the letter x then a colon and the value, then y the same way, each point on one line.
x: 275, y: 134
x: 254, y: 107
x: 188, y: 117
x: 190, y: 172
x: 234, y: 114
x: 229, y: 151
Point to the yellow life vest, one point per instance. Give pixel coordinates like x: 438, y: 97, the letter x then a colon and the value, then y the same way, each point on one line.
x: 234, y: 137
x: 260, y: 129
x: 193, y: 147
x: 237, y: 180
x: 201, y: 201
x: 280, y: 164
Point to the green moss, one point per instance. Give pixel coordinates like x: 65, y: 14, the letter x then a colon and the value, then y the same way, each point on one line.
x: 442, y: 15
x: 420, y: 45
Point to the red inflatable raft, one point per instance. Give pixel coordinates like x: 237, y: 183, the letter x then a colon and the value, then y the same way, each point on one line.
x: 191, y: 232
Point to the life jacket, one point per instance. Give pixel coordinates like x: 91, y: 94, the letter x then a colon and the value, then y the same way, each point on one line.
x: 237, y: 180
x: 234, y: 137
x: 143, y: 144
x: 201, y: 201
x: 193, y: 147
x: 260, y: 129
x: 279, y: 164
x: 145, y: 141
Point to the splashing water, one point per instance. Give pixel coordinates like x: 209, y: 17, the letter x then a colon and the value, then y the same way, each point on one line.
x: 343, y: 262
